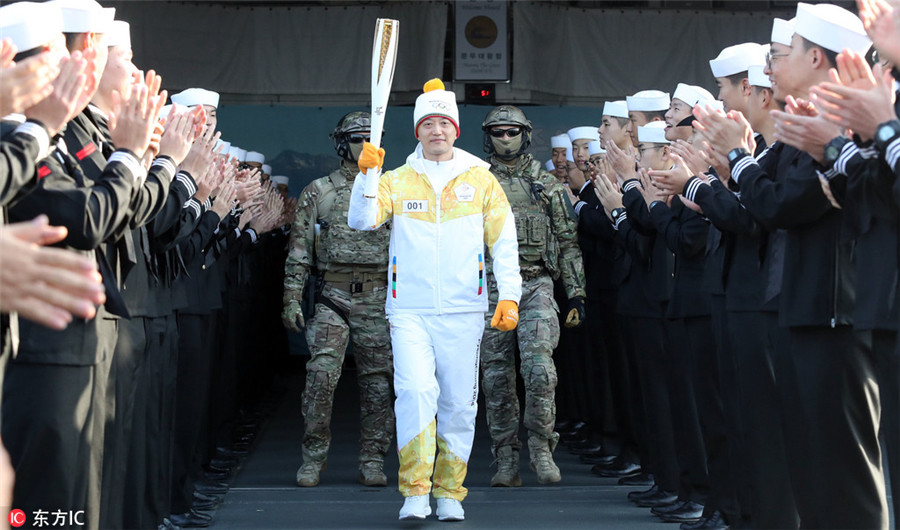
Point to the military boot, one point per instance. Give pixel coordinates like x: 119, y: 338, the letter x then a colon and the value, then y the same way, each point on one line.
x: 542, y: 461
x: 308, y: 474
x: 507, y: 475
x: 371, y: 473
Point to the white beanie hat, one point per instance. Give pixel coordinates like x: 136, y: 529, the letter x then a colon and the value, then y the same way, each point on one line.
x: 435, y: 101
x: 594, y: 148
x: 85, y: 16
x: 267, y: 169
x: 757, y: 77
x: 549, y: 165
x: 281, y: 179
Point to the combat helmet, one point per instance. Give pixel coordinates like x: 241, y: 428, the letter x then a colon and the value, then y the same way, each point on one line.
x: 352, y: 122
x: 506, y: 115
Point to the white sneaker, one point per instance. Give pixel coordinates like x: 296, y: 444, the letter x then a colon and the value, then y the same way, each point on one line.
x: 450, y: 510
x: 416, y: 507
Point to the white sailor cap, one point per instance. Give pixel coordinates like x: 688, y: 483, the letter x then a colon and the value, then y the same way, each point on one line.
x: 783, y: 31
x: 560, y: 140
x: 267, y: 169
x: 196, y: 96
x: 29, y: 24
x: 736, y: 59
x: 594, y: 148
x: 653, y: 133
x: 119, y: 34
x: 619, y: 109
x: 584, y: 132
x: 239, y: 154
x: 831, y: 27
x: 281, y: 179
x: 716, y: 104
x: 648, y: 100
x: 692, y: 94
x: 255, y: 156
x: 84, y: 16
x: 549, y: 165
x: 757, y: 77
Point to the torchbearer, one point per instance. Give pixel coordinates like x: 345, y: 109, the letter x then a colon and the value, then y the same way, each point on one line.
x: 446, y: 207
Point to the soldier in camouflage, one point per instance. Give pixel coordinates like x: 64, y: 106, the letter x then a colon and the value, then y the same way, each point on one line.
x: 548, y: 248
x: 350, y: 293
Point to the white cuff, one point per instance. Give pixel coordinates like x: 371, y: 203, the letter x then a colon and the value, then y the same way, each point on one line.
x: 166, y: 164
x: 39, y: 134
x: 693, y: 185
x: 892, y: 153
x: 740, y: 166
x: 253, y: 236
x: 622, y: 217
x: 578, y: 206
x: 187, y: 182
x: 630, y: 185
x: 133, y: 164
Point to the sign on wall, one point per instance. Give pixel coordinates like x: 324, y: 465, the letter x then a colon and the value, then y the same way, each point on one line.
x: 482, y: 42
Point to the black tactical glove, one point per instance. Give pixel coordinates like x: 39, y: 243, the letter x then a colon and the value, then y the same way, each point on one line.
x: 575, y: 312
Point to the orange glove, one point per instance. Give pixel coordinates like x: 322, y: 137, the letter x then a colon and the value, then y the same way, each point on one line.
x: 506, y: 317
x: 370, y: 157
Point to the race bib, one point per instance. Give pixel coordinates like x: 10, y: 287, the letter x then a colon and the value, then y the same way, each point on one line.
x: 415, y: 206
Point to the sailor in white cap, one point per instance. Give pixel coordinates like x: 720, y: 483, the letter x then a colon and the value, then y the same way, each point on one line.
x: 437, y: 318
x: 644, y: 107
x: 282, y: 182
x: 828, y: 380
x: 255, y: 159
x: 614, y: 127
x: 596, y: 151
x: 730, y: 70
x: 580, y: 138
x: 679, y: 117
x: 560, y: 152
x: 266, y: 171
x: 192, y: 97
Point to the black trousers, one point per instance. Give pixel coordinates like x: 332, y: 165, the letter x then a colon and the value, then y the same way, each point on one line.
x: 195, y: 357
x: 832, y: 405
x: 629, y: 400
x: 887, y: 356
x: 149, y: 460
x: 658, y: 454
x: 125, y: 373
x: 54, y: 416
x: 754, y: 339
x: 685, y: 338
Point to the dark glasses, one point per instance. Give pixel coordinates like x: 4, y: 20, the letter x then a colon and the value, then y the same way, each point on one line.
x: 357, y: 138
x: 512, y: 133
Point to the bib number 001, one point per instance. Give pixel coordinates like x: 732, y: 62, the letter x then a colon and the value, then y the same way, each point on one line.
x: 419, y: 206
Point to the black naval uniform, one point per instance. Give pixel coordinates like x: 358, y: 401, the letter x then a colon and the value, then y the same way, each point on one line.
x: 827, y: 374
x: 755, y: 437
x: 55, y: 390
x: 644, y: 296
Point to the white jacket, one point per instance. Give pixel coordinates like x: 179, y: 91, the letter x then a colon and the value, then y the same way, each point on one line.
x: 438, y: 239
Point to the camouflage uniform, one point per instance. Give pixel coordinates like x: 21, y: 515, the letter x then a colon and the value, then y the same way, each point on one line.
x: 548, y: 249
x: 352, y: 268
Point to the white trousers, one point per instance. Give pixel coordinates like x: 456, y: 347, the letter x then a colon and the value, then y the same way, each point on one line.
x: 436, y: 359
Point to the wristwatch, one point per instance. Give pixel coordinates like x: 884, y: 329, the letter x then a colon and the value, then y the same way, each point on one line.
x: 833, y: 149
x: 886, y: 133
x: 736, y: 153
x: 616, y: 213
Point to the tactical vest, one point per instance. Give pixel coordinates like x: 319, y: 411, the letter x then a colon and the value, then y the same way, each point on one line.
x: 530, y: 203
x: 336, y: 241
